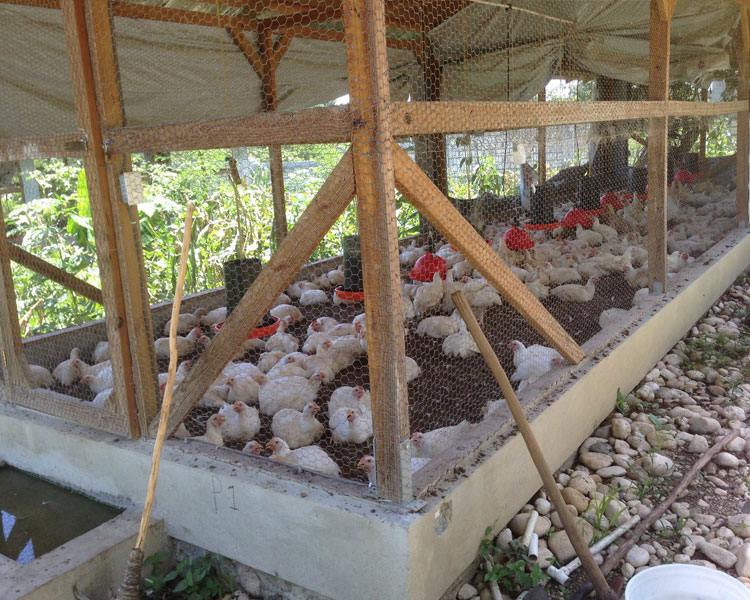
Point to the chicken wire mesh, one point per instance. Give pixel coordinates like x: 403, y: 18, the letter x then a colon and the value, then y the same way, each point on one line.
x: 201, y: 63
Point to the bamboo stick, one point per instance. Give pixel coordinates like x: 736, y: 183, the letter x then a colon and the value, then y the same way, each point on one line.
x: 603, y: 590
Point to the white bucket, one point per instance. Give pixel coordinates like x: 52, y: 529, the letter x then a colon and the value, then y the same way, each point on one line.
x: 684, y: 582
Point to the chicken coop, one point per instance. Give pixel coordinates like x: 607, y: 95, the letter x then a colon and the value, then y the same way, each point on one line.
x: 578, y: 168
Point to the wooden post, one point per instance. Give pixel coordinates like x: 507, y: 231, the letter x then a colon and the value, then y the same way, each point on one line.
x: 658, y: 89
x: 542, y: 144
x: 369, y: 97
x: 15, y: 367
x: 270, y: 103
x: 439, y: 155
x: 703, y: 135
x: 743, y: 124
x: 103, y: 205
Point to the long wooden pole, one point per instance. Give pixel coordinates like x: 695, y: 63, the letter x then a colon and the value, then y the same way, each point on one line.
x: 542, y: 143
x: 658, y: 90
x: 417, y: 188
x: 743, y: 119
x: 369, y: 98
x: 603, y: 590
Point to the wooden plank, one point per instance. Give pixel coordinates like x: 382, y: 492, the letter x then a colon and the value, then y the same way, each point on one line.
x: 541, y: 138
x: 280, y: 46
x: 665, y: 9
x: 369, y: 96
x: 678, y: 108
x: 743, y: 126
x: 43, y: 146
x: 427, y: 199
x: 53, y: 273
x: 658, y: 90
x: 15, y: 367
x: 125, y: 219
x: 76, y: 33
x: 276, y: 166
x: 246, y: 47
x: 322, y: 125
x: 319, y: 216
x: 703, y: 134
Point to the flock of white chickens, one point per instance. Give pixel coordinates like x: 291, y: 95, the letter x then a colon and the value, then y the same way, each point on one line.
x: 284, y: 383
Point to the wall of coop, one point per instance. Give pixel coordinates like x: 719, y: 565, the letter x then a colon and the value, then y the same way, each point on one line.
x: 450, y: 122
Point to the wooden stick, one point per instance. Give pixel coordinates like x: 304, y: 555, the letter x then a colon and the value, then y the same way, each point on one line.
x: 53, y: 273
x: 427, y: 199
x: 171, y: 374
x: 614, y: 559
x: 587, y: 559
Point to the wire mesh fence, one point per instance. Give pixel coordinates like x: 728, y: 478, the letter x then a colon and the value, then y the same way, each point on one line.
x: 560, y: 198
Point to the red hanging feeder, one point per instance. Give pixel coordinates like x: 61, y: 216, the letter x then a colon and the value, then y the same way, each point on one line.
x: 613, y: 200
x: 517, y: 239
x: 685, y: 176
x: 426, y: 267
x: 258, y: 332
x: 349, y: 296
x: 575, y: 217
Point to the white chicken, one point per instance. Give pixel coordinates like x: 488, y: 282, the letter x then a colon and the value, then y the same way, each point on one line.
x: 242, y: 421
x: 429, y: 295
x: 297, y: 288
x: 351, y: 425
x: 563, y: 275
x: 460, y: 345
x: 98, y: 383
x: 253, y: 447
x: 281, y: 340
x: 214, y: 397
x: 290, y: 392
x: 531, y: 370
x: 268, y: 360
x: 636, y: 278
x: 239, y: 370
x: 180, y: 374
x: 367, y: 464
x: 336, y: 276
x: 101, y: 352
x: 244, y: 389
x: 611, y: 316
x: 608, y: 233
x: 185, y: 344
x: 217, y: 315
x: 298, y: 428
x: 321, y: 325
x: 592, y: 238
x: 71, y: 370
x: 326, y: 366
x: 282, y: 299
x: 412, y: 369
x: 437, y: 327
x: 411, y: 254
x: 288, y: 366
x: 186, y: 321
x: 349, y: 397
x: 213, y: 433
x: 312, y: 297
x: 536, y: 351
x: 247, y: 346
x: 40, y: 377
x: 102, y: 398
x: 287, y: 312
x: 437, y: 441
x: 313, y: 458
x: 449, y: 287
x: 576, y: 293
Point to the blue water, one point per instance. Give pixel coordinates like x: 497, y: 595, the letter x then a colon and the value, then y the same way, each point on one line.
x: 37, y: 516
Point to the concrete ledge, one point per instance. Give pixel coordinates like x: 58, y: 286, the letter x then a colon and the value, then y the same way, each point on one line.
x: 91, y: 561
x: 333, y: 537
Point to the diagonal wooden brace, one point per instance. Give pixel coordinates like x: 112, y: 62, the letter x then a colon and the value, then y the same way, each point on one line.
x: 320, y: 215
x: 417, y: 188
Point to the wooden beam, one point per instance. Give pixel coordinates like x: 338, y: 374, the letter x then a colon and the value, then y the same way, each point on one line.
x: 369, y: 97
x: 76, y: 33
x: 542, y: 143
x: 280, y: 46
x: 679, y: 108
x: 703, y: 134
x: 658, y: 91
x: 665, y: 9
x: 246, y: 47
x: 319, y: 216
x: 15, y: 367
x: 427, y: 199
x: 53, y: 273
x: 43, y: 146
x: 276, y: 167
x: 743, y: 124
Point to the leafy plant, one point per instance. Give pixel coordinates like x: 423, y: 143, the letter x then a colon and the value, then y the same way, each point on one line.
x: 655, y: 487
x: 513, y: 570
x: 192, y: 579
x: 625, y: 406
x: 599, y: 515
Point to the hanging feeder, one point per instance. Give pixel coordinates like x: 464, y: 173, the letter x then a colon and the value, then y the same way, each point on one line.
x: 426, y: 267
x: 576, y: 217
x: 685, y: 176
x: 349, y: 296
x: 517, y: 239
x: 258, y: 332
x: 613, y: 200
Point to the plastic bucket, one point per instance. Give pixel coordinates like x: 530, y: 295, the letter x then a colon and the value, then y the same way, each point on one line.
x: 684, y: 582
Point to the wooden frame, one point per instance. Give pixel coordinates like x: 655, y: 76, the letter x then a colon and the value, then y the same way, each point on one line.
x: 742, y: 47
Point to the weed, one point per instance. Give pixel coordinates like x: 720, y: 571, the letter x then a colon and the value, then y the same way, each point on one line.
x: 625, y: 406
x: 600, y: 509
x: 655, y: 487
x: 192, y: 579
x: 513, y: 570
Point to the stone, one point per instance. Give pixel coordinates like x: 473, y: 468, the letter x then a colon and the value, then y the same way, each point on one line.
x: 617, y: 511
x: 467, y: 592
x: 734, y: 413
x: 627, y: 570
x: 503, y: 539
x: 703, y: 519
x: 725, y: 532
x: 557, y: 521
x: 681, y: 509
x: 719, y: 556
x: 703, y: 425
x: 716, y: 390
x: 672, y: 359
x: 662, y: 440
x: 656, y: 464
x: 740, y: 525
x: 609, y: 472
x: 595, y: 460
x: 486, y: 594
x: 542, y: 506
x: 727, y: 460
x: 576, y: 498
x: 703, y: 563
x: 563, y: 479
x: 661, y: 525
x: 698, y: 445
x: 681, y: 559
x: 736, y: 445
x: 639, y: 443
x: 695, y: 375
x: 637, y: 556
x: 680, y: 411
x: 583, y: 483
x: 742, y: 566
x: 621, y: 429
x: 560, y: 544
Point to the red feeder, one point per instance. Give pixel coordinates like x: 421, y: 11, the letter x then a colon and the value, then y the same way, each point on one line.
x: 350, y: 296
x: 685, y: 176
x: 517, y: 239
x: 541, y: 226
x: 576, y: 217
x: 259, y: 332
x: 613, y: 200
x: 427, y: 265
x: 642, y: 196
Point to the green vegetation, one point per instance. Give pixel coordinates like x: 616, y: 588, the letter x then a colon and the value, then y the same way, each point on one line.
x: 513, y: 570
x: 202, y: 578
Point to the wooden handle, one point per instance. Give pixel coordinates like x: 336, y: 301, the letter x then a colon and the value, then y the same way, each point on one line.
x: 167, y: 402
x: 603, y: 590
